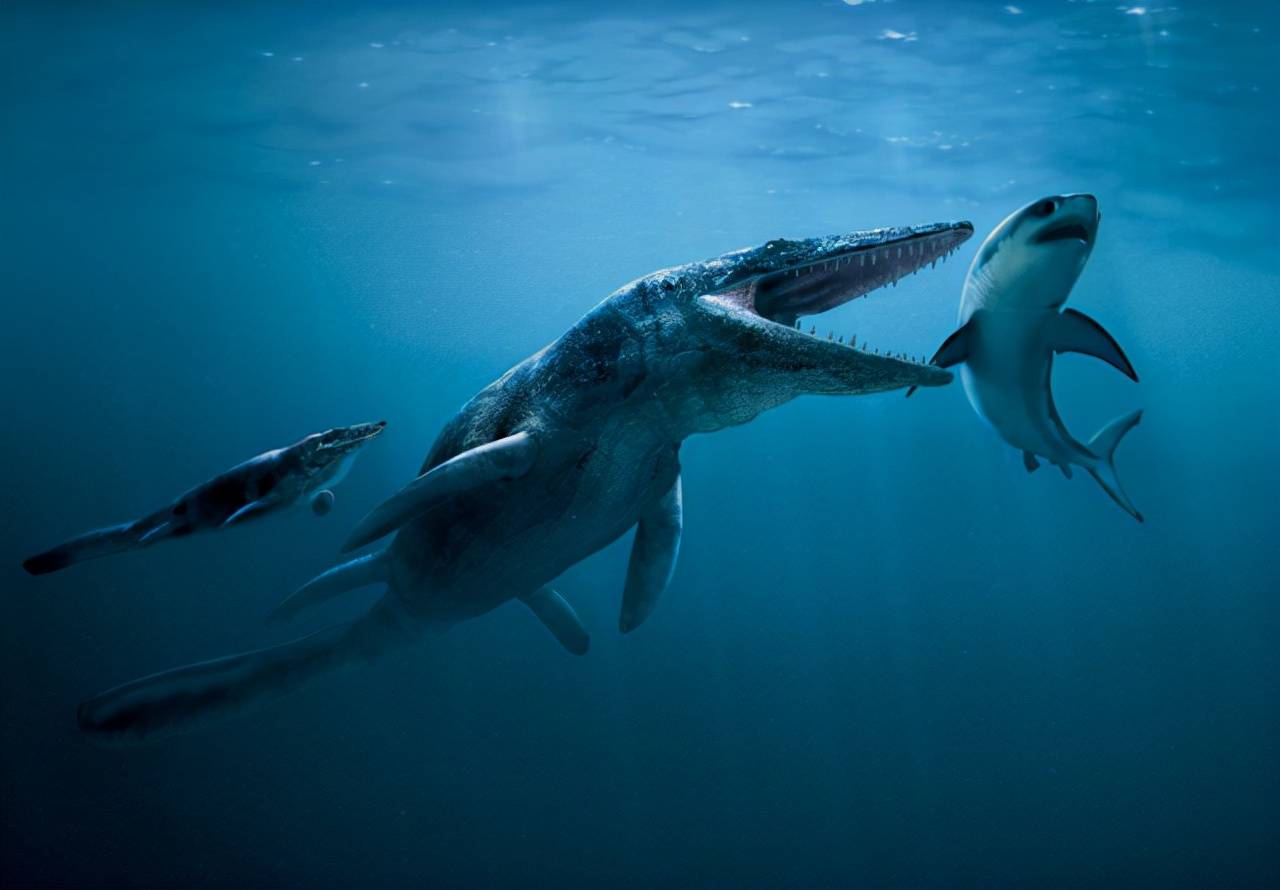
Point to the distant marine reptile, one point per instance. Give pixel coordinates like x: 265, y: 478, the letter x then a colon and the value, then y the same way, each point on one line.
x: 1011, y: 325
x: 567, y: 451
x: 264, y: 484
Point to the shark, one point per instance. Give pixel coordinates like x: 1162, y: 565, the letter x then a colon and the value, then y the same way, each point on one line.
x: 1011, y: 325
x: 564, y: 454
x: 302, y: 473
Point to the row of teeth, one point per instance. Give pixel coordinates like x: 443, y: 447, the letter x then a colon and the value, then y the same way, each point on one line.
x: 909, y: 250
x: 854, y: 344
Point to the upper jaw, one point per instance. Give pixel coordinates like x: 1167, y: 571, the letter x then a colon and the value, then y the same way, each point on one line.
x: 819, y: 274
x: 357, y: 435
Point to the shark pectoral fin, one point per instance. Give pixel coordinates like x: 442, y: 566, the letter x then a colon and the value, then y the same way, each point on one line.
x: 155, y: 534
x: 953, y: 350
x: 653, y: 557
x: 1073, y: 331
x: 1104, y: 446
x: 1065, y: 468
x: 359, y: 572
x: 251, y: 510
x: 554, y: 611
x: 1029, y: 461
x: 508, y: 458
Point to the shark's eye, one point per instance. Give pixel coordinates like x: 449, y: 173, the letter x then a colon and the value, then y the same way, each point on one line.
x: 1045, y: 207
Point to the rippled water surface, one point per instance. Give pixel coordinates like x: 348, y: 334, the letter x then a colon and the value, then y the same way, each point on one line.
x: 888, y: 657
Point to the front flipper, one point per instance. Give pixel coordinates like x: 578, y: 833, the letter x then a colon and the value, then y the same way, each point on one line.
x: 508, y: 458
x: 653, y: 557
x: 251, y: 510
x: 160, y: 531
x: 359, y: 572
x: 554, y: 611
x: 953, y: 350
x: 1074, y: 331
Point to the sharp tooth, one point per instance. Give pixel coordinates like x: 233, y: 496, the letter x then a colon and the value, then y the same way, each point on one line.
x: 829, y: 336
x: 934, y: 264
x: 899, y: 253
x: 853, y: 341
x: 813, y: 330
x: 873, y: 259
x: 840, y: 339
x: 862, y: 259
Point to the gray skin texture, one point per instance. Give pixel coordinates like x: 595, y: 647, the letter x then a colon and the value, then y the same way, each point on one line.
x: 690, y: 349
x: 265, y: 484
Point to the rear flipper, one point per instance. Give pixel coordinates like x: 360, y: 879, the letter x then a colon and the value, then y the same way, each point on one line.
x: 1104, y: 469
x: 554, y: 611
x: 177, y: 700
x: 90, y: 545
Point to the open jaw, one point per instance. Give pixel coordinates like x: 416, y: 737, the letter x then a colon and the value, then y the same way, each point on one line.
x: 817, y: 275
x: 1068, y: 231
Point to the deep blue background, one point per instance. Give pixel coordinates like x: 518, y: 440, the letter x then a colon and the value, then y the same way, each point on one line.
x: 888, y: 656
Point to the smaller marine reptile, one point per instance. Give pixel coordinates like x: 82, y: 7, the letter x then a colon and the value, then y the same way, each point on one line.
x: 268, y: 483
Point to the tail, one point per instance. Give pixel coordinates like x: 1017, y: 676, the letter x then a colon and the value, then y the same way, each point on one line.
x: 1104, y: 470
x: 176, y: 701
x: 90, y: 545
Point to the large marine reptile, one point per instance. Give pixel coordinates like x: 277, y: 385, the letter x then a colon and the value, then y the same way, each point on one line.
x: 566, y: 452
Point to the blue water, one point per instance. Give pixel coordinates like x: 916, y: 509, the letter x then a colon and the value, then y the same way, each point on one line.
x: 888, y: 657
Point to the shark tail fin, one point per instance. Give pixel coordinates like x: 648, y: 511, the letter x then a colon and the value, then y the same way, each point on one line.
x: 1104, y: 469
x: 90, y: 545
x: 177, y: 700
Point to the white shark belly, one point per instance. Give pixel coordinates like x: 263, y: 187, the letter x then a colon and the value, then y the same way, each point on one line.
x: 1006, y: 376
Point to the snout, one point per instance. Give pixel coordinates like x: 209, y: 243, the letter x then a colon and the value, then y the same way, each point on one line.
x: 1083, y: 207
x: 1065, y: 218
x: 369, y: 430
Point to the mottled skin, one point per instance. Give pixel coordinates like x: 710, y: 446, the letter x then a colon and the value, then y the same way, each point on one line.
x: 268, y: 483
x: 662, y: 358
x: 685, y: 350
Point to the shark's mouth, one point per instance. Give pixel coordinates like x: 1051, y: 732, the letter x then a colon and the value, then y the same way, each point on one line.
x: 831, y: 272
x: 1072, y: 231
